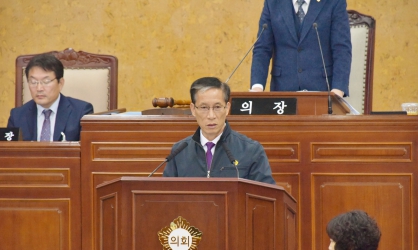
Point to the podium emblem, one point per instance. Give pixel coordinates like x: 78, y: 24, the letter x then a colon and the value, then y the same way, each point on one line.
x: 179, y: 235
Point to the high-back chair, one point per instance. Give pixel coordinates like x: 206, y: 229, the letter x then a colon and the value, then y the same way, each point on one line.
x: 89, y: 77
x: 362, y: 29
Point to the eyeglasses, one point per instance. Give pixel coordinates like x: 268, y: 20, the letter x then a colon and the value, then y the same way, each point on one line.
x: 44, y: 83
x: 216, y: 108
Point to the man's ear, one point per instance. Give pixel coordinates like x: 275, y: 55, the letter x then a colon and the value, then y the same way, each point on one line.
x: 61, y: 83
x: 192, y: 109
x: 228, y: 106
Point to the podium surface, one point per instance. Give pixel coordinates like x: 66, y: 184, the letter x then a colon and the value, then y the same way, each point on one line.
x: 229, y: 213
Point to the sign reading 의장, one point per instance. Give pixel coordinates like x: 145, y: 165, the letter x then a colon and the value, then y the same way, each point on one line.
x: 263, y: 106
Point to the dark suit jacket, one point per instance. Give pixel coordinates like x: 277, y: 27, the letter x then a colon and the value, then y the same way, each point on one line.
x: 297, y: 63
x: 70, y: 111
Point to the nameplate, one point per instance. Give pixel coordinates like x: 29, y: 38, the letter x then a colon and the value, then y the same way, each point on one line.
x: 263, y: 106
x: 10, y: 134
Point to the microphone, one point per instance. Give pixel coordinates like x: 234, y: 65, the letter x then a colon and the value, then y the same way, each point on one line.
x: 315, y: 25
x: 264, y: 27
x: 231, y: 157
x: 171, y: 156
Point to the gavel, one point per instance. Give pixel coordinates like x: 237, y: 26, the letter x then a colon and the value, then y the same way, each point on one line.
x: 164, y: 102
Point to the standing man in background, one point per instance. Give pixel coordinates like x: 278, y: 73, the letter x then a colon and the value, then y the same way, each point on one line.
x: 49, y: 113
x: 291, y: 41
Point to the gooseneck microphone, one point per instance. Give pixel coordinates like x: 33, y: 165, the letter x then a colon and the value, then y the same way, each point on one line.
x: 182, y: 146
x: 315, y: 25
x: 264, y: 27
x: 231, y: 157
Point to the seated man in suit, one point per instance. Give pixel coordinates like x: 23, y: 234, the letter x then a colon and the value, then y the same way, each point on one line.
x: 214, y: 146
x: 50, y: 114
x: 353, y: 230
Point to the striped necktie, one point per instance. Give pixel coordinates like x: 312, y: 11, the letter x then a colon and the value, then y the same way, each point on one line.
x: 46, y: 127
x: 301, y: 13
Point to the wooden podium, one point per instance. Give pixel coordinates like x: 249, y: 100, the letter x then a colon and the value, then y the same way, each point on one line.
x: 229, y: 213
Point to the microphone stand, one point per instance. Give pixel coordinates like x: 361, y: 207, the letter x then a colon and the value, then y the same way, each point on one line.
x: 264, y: 27
x: 315, y: 25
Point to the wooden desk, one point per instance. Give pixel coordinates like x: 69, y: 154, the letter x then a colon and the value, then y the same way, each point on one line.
x: 330, y: 164
x: 40, y: 195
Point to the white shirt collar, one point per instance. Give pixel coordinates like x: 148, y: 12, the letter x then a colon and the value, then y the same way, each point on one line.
x: 304, y: 7
x: 54, y: 106
x: 306, y: 1
x: 203, y: 139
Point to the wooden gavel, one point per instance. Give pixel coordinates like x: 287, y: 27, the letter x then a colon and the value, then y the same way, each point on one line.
x: 164, y: 102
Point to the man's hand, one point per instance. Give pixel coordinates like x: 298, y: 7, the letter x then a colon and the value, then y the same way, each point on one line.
x: 256, y: 89
x: 338, y: 92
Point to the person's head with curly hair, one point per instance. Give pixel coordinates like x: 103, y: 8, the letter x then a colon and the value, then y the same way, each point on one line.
x: 353, y: 230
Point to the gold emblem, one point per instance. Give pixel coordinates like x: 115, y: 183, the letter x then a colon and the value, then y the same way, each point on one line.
x: 179, y: 235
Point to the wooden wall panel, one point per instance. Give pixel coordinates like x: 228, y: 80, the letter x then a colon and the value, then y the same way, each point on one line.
x: 39, y: 224
x: 40, y: 203
x: 290, y: 182
x: 362, y: 152
x: 385, y: 197
x: 131, y: 151
x: 282, y: 151
x: 32, y: 177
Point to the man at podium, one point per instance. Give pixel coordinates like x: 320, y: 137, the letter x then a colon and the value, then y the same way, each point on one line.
x: 215, y: 150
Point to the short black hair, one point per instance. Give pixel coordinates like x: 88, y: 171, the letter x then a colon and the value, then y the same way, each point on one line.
x: 47, y: 62
x: 354, y: 230
x: 205, y: 83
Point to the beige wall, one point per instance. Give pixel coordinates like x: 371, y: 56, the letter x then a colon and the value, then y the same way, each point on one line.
x: 162, y: 46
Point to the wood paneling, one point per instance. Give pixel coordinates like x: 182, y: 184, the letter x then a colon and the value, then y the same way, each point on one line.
x: 385, y: 197
x: 41, y: 224
x: 366, y: 156
x: 40, y: 203
x: 260, y: 226
x: 329, y: 164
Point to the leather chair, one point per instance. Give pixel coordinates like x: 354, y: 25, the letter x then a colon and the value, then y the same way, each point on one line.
x: 362, y: 29
x: 89, y: 77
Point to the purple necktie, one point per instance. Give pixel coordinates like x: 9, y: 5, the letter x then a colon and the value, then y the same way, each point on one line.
x: 46, y: 127
x: 209, y: 153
